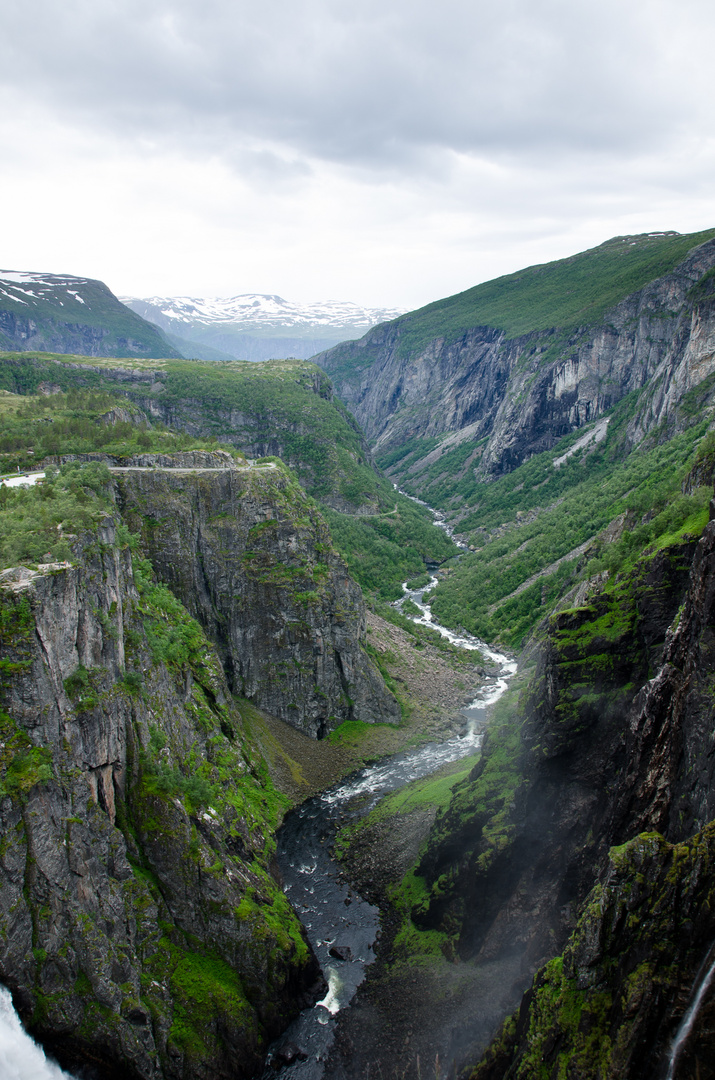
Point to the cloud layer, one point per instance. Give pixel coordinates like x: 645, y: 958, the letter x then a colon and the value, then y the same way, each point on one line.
x: 386, y: 152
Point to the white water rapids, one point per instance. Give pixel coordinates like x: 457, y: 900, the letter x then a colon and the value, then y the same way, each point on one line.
x: 332, y: 913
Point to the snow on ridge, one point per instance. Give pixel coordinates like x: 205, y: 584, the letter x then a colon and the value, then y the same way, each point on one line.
x: 50, y: 281
x: 264, y: 309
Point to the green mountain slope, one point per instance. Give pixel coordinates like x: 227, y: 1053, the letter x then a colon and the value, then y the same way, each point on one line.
x: 278, y: 408
x: 66, y: 314
x: 543, y: 529
x: 569, y: 293
x: 481, y: 382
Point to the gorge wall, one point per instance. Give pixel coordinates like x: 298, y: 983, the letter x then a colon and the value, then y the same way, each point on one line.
x: 251, y: 558
x: 610, y: 744
x: 514, y: 395
x: 282, y: 408
x: 141, y: 930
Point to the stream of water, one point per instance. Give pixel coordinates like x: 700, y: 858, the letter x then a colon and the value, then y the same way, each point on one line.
x: 20, y: 1057
x: 334, y: 915
x: 702, y: 985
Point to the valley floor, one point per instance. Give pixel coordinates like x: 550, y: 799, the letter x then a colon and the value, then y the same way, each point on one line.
x: 407, y: 1012
x: 434, y: 685
x: 417, y: 1015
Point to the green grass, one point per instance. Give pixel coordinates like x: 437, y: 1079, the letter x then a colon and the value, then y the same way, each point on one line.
x: 354, y: 733
x: 22, y: 764
x: 288, y: 403
x: 283, y: 407
x: 575, y: 503
x: 431, y: 791
x: 34, y: 427
x: 411, y: 944
x: 566, y: 294
x: 383, y: 551
x: 208, y: 997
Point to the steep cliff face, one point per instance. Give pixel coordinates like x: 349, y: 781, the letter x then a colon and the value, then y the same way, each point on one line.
x: 613, y: 739
x: 251, y: 558
x: 140, y: 929
x: 283, y: 408
x: 610, y: 1007
x: 516, y: 849
x: 668, y: 783
x: 513, y: 395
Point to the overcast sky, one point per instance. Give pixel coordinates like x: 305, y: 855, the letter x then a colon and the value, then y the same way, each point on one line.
x: 383, y: 151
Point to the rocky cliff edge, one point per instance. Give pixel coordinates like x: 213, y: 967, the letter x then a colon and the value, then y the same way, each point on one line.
x: 250, y: 556
x: 141, y: 932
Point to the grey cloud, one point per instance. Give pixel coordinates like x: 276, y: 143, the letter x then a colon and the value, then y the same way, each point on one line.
x: 377, y: 85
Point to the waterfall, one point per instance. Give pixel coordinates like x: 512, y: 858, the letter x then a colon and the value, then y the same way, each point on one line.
x: 20, y: 1057
x: 701, y: 987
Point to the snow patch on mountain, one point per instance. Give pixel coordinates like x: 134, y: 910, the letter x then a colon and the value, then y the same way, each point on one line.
x: 44, y: 286
x: 254, y: 311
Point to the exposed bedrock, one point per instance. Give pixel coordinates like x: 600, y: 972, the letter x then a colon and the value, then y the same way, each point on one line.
x: 517, y: 848
x: 611, y: 1006
x: 140, y: 929
x: 251, y: 558
x: 524, y: 393
x: 613, y: 745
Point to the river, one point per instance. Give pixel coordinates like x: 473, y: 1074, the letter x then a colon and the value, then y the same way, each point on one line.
x: 333, y: 914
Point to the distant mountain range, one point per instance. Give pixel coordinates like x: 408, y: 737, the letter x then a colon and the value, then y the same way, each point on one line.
x: 256, y: 326
x: 64, y: 314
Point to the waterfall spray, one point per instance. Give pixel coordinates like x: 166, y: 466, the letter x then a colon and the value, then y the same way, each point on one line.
x: 700, y: 988
x: 20, y: 1057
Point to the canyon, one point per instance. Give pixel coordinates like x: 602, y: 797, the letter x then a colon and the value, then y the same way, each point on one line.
x: 176, y: 668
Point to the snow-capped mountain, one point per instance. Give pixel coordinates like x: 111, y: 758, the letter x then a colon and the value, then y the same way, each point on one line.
x: 254, y: 310
x: 256, y: 326
x: 42, y: 287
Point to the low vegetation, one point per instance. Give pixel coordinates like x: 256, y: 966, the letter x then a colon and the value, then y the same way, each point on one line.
x: 382, y: 548
x: 39, y: 524
x: 386, y: 549
x: 539, y: 530
x: 82, y: 421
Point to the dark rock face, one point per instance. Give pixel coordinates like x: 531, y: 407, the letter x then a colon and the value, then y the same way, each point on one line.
x: 525, y: 393
x: 611, y: 1006
x: 251, y: 558
x: 74, y: 338
x: 515, y: 852
x: 603, y: 754
x: 668, y: 784
x: 140, y: 930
